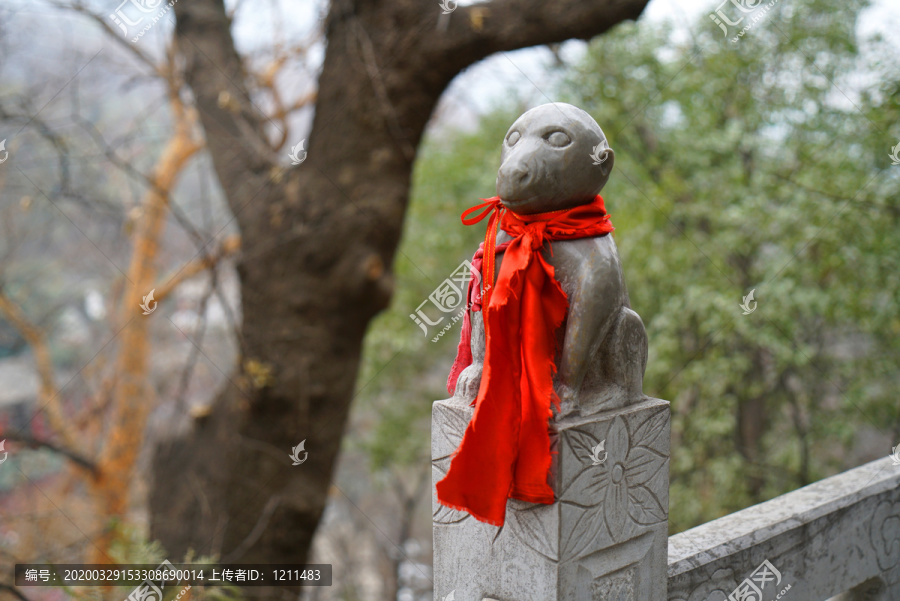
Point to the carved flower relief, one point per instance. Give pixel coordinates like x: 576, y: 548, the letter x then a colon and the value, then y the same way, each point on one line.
x: 883, y: 526
x: 449, y: 426
x: 617, y: 492
x: 703, y: 586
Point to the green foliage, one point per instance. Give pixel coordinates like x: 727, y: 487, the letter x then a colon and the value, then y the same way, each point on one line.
x: 761, y: 164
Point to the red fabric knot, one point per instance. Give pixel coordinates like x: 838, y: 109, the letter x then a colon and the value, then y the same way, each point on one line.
x: 505, y: 451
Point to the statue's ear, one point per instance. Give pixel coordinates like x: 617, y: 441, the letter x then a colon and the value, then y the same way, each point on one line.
x: 606, y: 164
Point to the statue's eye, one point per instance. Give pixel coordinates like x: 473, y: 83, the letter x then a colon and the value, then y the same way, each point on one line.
x: 558, y: 139
x: 512, y: 138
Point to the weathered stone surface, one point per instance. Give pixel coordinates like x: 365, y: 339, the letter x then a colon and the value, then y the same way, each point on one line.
x: 604, y: 538
x: 823, y: 539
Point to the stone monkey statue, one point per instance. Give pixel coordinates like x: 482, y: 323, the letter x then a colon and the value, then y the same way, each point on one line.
x: 546, y: 165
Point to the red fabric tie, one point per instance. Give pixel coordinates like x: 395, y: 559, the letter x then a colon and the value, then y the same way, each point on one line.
x: 505, y: 452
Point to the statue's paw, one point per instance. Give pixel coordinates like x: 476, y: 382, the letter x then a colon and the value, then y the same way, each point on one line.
x: 567, y: 404
x: 468, y: 382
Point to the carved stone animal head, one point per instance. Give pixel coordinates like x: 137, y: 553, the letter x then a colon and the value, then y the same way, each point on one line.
x: 548, y: 160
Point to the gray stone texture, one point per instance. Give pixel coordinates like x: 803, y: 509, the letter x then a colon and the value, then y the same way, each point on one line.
x: 605, y: 537
x: 834, y: 535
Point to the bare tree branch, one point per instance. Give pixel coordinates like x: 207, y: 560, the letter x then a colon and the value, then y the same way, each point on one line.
x: 229, y: 246
x: 81, y: 9
x: 256, y: 532
x: 35, y: 443
x: 479, y: 30
x: 14, y: 591
x: 49, y: 397
x: 232, y: 122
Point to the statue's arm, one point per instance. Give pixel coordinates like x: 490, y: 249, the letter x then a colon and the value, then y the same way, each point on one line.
x: 470, y: 378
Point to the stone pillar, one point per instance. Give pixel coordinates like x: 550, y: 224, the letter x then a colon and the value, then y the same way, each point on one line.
x: 606, y: 536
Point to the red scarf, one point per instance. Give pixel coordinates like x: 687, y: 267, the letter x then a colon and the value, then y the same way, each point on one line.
x: 505, y: 452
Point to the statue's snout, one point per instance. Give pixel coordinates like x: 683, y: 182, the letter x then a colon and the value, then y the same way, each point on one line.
x: 513, y: 178
x: 516, y: 174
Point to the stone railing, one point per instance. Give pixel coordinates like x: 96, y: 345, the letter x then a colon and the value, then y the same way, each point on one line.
x: 605, y: 537
x: 840, y: 535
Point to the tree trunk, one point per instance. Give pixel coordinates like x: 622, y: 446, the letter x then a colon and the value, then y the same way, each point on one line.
x: 317, y: 244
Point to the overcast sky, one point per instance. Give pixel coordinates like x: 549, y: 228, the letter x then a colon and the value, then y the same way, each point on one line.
x: 483, y: 85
